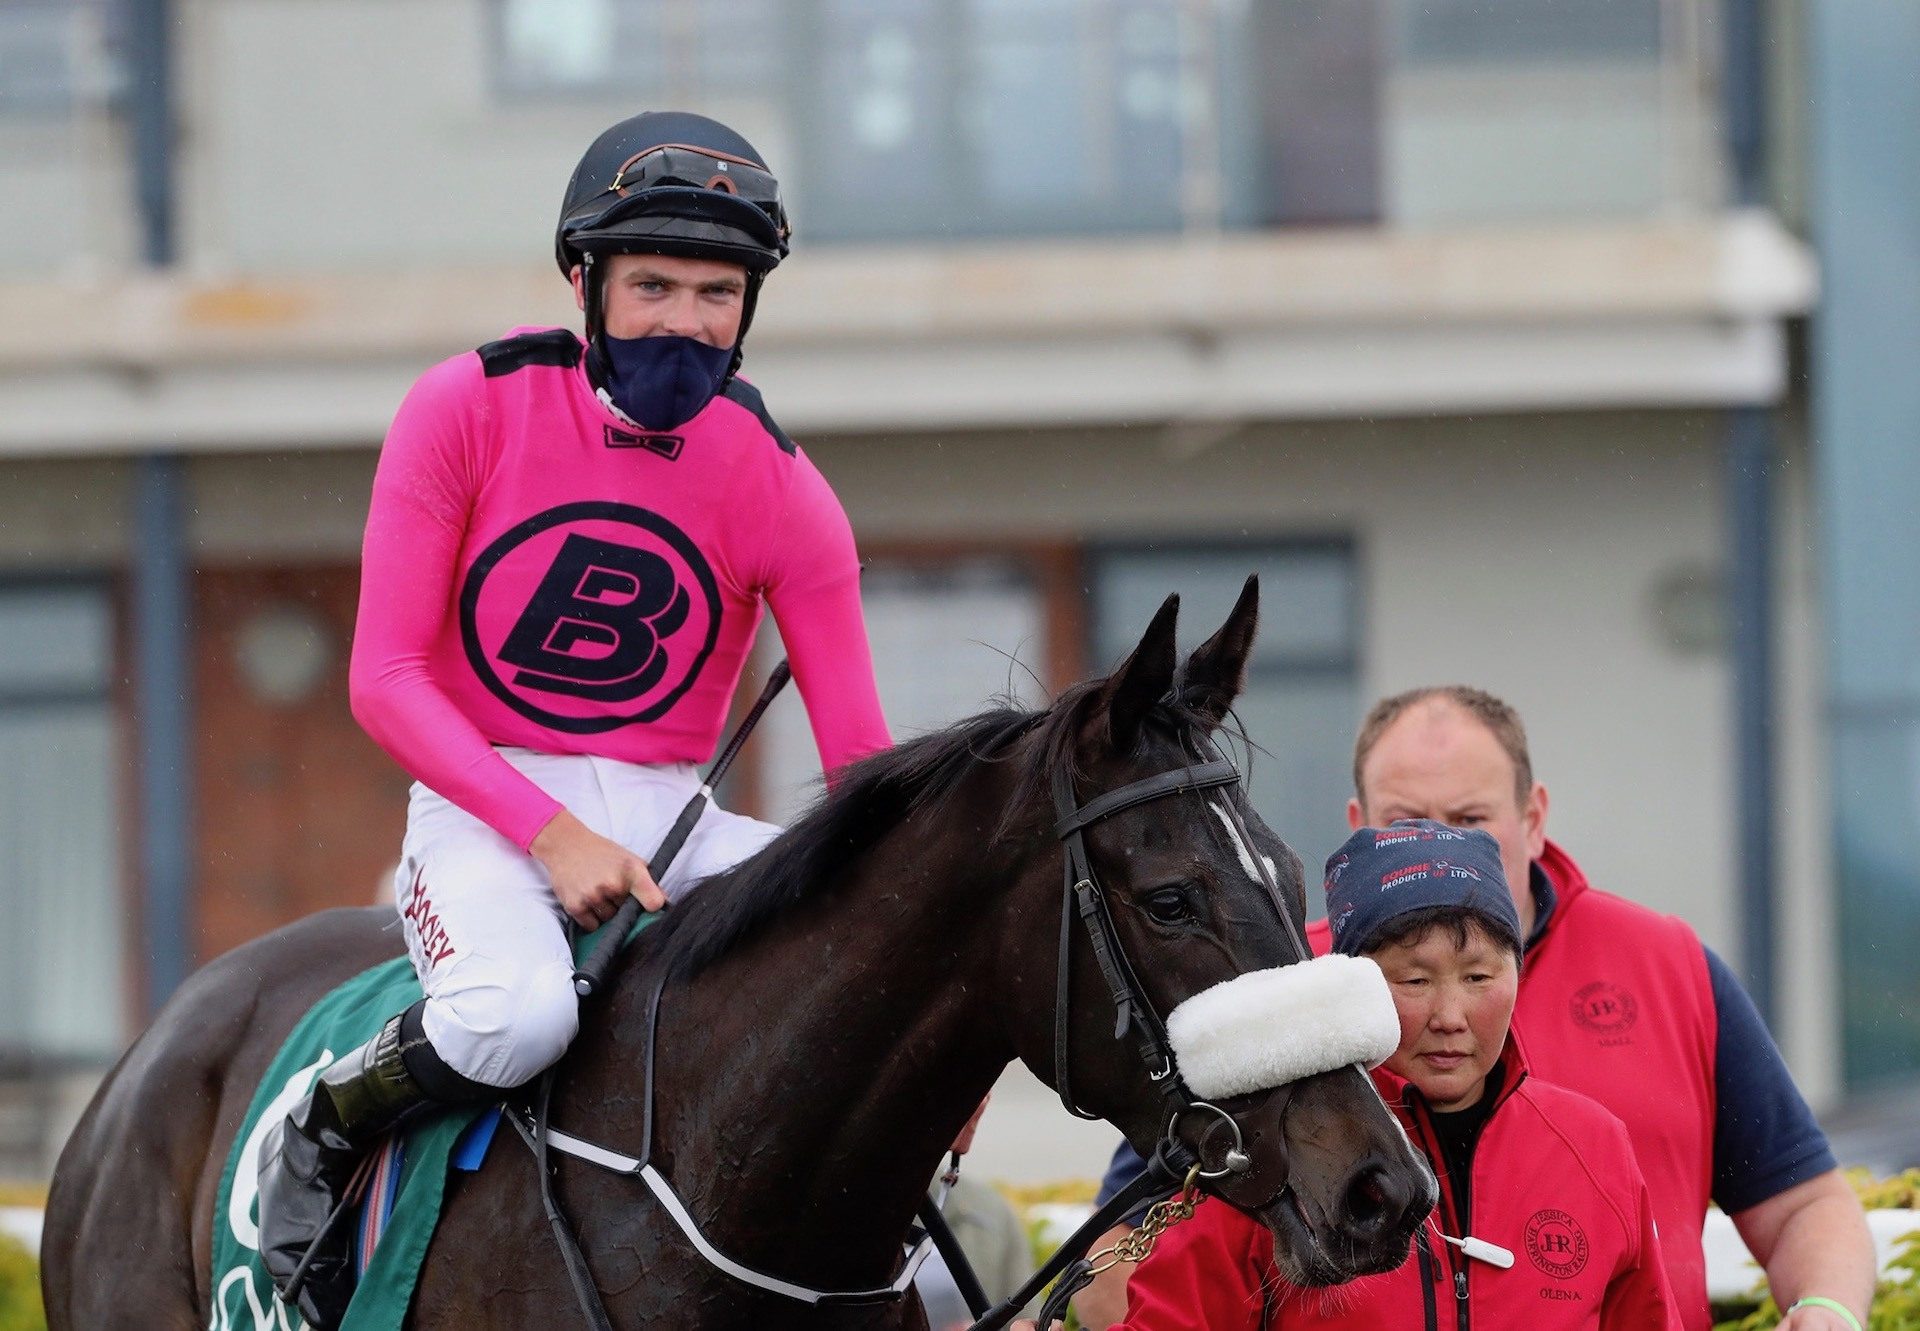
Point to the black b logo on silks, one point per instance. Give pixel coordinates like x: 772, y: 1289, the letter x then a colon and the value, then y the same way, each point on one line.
x: 595, y: 623
x: 590, y: 616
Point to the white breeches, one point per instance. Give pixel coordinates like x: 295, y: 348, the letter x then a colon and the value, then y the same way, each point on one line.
x: 484, y: 929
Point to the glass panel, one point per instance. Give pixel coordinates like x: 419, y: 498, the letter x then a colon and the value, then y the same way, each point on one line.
x: 1538, y: 108
x: 1301, y: 702
x: 1454, y: 30
x: 1306, y: 599
x: 952, y: 641
x: 1303, y: 102
x: 740, y: 46
x: 1067, y: 103
x: 38, y: 47
x: 550, y: 45
x: 1025, y: 116
x: 60, y: 909
x: 52, y: 640
x: 995, y: 117
x: 1879, y: 896
x: 876, y: 140
x: 948, y: 641
x: 1299, y: 777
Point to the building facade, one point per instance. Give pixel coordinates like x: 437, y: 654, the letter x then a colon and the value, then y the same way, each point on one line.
x: 1440, y: 324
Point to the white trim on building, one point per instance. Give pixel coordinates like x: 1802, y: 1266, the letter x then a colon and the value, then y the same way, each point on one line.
x: 1220, y: 330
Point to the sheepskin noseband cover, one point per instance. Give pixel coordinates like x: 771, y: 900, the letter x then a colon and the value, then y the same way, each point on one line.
x: 1267, y: 1028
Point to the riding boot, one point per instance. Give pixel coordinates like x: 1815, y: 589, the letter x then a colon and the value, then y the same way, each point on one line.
x: 308, y: 1159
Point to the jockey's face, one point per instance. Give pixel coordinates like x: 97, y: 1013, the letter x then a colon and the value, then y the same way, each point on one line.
x: 659, y: 295
x: 1438, y: 761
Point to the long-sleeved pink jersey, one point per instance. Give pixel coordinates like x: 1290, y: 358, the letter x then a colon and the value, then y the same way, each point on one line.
x: 538, y: 572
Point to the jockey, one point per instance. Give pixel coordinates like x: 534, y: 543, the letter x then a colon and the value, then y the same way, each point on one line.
x: 567, y: 552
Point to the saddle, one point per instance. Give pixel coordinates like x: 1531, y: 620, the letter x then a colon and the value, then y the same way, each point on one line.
x: 404, y: 1181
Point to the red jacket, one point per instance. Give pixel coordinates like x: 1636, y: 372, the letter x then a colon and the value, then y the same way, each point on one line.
x: 1553, y: 1181
x: 1616, y: 1003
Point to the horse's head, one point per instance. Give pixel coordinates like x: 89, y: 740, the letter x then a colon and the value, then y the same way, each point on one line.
x: 1174, y: 877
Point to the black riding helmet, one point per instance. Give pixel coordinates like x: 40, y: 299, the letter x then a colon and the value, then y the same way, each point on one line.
x: 671, y: 182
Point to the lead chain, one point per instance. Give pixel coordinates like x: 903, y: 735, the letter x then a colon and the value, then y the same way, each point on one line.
x: 1162, y: 1216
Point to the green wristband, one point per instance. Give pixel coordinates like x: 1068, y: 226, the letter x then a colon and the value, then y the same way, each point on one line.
x: 1831, y: 1305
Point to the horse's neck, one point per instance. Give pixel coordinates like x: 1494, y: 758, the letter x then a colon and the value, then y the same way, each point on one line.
x: 809, y: 1084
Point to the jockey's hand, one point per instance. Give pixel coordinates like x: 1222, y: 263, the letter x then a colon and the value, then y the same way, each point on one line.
x: 590, y: 874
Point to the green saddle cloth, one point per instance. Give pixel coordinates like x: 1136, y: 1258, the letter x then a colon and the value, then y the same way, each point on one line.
x: 349, y: 1016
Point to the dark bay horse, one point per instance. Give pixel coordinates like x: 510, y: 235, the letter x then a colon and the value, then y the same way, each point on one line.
x: 835, y: 1008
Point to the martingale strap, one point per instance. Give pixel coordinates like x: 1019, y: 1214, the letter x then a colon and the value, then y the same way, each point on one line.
x: 618, y: 1163
x: 1082, y: 895
x: 540, y: 1137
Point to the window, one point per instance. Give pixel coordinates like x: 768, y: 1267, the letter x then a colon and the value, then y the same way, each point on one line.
x: 1300, y: 706
x: 919, y: 118
x: 1540, y: 108
x: 1454, y: 31
x: 1308, y: 79
x: 648, y: 52
x: 60, y: 911
x: 949, y: 638
x: 953, y: 118
x: 47, y: 50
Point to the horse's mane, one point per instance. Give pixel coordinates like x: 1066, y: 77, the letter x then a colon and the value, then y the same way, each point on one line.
x: 870, y: 799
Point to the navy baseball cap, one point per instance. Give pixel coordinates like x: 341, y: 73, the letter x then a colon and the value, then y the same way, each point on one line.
x: 1383, y: 873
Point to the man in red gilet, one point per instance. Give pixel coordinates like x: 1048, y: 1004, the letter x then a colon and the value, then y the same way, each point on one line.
x: 1630, y: 1007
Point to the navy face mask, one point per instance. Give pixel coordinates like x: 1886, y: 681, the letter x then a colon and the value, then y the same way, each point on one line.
x: 661, y: 383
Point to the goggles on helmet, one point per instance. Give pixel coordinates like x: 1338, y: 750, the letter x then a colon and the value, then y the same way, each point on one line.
x: 671, y: 175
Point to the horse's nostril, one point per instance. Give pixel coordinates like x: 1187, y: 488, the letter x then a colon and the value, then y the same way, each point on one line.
x: 1367, y: 1199
x: 1374, y: 1203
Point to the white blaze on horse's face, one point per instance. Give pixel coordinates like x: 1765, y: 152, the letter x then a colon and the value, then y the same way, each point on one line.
x: 1244, y: 851
x: 1240, y: 846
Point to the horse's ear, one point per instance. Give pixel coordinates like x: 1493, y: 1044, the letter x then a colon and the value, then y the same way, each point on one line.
x: 1143, y: 679
x: 1217, y: 670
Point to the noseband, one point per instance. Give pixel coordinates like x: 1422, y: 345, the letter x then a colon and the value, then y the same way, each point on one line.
x: 1133, y: 1010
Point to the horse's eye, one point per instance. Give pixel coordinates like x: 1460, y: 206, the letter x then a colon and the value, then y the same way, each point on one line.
x: 1169, y: 906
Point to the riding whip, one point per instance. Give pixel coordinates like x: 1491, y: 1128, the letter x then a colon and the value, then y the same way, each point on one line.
x: 612, y: 936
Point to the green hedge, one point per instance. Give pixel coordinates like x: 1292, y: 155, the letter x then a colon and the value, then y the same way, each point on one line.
x: 1896, y: 1304
x: 20, y: 1308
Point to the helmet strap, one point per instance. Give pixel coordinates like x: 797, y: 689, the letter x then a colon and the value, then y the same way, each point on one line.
x: 590, y: 289
x: 748, y: 303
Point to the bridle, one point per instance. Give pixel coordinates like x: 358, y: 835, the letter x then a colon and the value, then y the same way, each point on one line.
x: 1133, y: 1010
